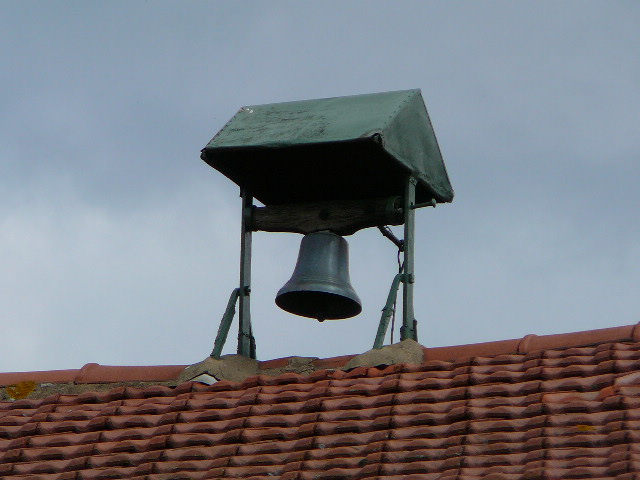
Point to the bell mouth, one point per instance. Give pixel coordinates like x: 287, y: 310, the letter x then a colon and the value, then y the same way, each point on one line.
x: 319, y: 305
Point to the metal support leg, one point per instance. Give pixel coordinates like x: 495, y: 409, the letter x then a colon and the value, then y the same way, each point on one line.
x: 408, y: 329
x: 387, y: 311
x: 225, y: 324
x: 246, y: 342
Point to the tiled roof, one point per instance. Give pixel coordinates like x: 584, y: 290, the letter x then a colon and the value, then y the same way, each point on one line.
x: 556, y: 407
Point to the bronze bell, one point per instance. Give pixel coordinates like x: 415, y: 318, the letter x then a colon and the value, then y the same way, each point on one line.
x: 320, y: 287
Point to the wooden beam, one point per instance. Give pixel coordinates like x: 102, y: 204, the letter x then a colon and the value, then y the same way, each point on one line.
x: 343, y: 217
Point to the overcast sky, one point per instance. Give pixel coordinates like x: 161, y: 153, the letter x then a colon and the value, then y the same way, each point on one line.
x: 118, y: 245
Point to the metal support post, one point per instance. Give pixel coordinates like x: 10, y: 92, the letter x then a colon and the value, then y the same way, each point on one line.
x: 246, y: 342
x: 408, y: 329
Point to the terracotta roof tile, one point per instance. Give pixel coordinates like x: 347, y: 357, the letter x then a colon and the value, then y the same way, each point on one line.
x: 565, y: 406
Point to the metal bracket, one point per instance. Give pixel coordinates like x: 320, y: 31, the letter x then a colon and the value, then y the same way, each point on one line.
x: 430, y: 203
x: 414, y: 331
x: 393, y: 210
x: 386, y: 231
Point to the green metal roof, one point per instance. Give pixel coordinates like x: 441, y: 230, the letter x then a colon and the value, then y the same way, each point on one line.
x: 361, y: 146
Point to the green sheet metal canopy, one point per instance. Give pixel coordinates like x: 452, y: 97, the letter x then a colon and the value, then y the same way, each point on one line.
x: 343, y: 148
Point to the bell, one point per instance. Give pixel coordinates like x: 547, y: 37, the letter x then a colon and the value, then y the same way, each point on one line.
x: 320, y: 287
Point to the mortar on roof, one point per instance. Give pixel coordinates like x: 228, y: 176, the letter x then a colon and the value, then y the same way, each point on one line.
x: 407, y: 351
x: 229, y: 367
x: 237, y: 368
x: 301, y: 365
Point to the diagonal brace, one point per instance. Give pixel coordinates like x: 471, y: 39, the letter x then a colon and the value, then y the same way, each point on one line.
x: 387, y: 311
x: 225, y: 324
